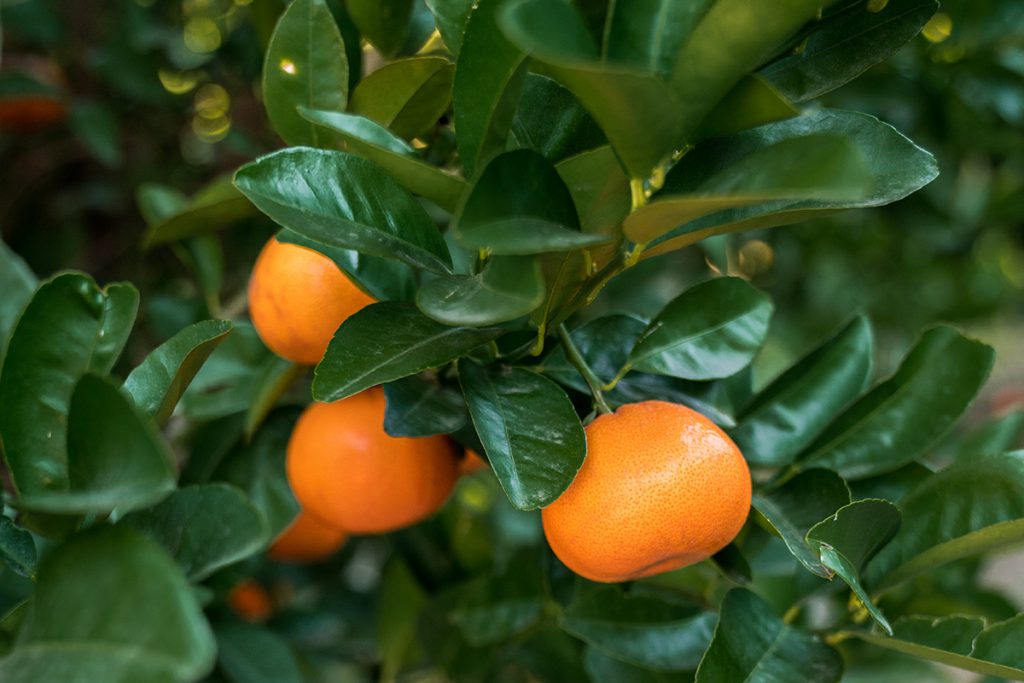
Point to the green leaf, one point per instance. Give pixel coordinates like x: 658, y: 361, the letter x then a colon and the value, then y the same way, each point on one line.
x: 752, y: 102
x: 709, y: 331
x: 531, y: 434
x: 960, y: 641
x: 604, y: 669
x: 752, y: 644
x: 852, y: 536
x: 153, y: 632
x: 786, y: 416
x: 551, y: 121
x: 305, y: 65
x: 258, y: 468
x: 844, y: 46
x: 374, y: 142
x: 965, y: 510
x: 897, y: 166
x: 252, y: 654
x: 229, y: 380
x: 381, y: 278
x: 507, y: 288
x: 387, y: 341
x: 17, y: 282
x: 494, y: 609
x: 388, y: 24
x: 488, y: 79
x: 97, y: 127
x: 214, y: 207
x: 795, y: 507
x: 815, y: 167
x: 520, y: 205
x: 274, y: 379
x: 732, y: 38
x: 69, y: 327
x: 401, y: 603
x: 450, y: 17
x: 114, y: 457
x: 200, y: 542
x: 17, y: 549
x: 159, y: 381
x: 343, y: 201
x: 407, y: 96
x: 634, y: 108
x: 417, y: 406
x: 996, y: 436
x: 899, y: 418
x: 646, y: 631
x: 599, y: 188
x: 647, y: 34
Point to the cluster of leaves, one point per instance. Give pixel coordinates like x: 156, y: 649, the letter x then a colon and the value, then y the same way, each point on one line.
x: 590, y: 136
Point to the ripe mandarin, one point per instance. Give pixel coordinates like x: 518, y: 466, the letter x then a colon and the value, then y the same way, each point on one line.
x: 297, y: 299
x: 307, y: 539
x: 250, y: 601
x: 345, y: 469
x: 472, y: 463
x: 662, y: 488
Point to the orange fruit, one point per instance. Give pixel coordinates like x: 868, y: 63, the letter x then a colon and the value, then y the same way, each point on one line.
x: 250, y: 601
x: 345, y: 469
x: 30, y: 112
x: 472, y: 462
x: 307, y: 539
x: 662, y: 487
x: 297, y: 299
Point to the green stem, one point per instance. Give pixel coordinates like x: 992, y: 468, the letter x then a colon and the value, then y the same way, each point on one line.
x: 576, y: 358
x: 623, y: 371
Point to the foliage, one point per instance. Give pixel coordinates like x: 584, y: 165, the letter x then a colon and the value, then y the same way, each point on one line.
x: 509, y: 187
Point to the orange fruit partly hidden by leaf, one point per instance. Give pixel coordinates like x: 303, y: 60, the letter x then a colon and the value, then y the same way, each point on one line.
x: 250, y: 601
x: 472, y: 462
x: 297, y: 299
x: 28, y: 113
x: 662, y: 487
x: 345, y: 469
x: 307, y: 539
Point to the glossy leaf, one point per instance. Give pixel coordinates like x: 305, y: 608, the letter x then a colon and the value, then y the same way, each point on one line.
x: 795, y: 507
x: 752, y: 644
x: 604, y: 669
x: 520, y: 205
x: 251, y: 654
x: 965, y: 510
x: 202, y: 543
x: 901, y: 417
x: 306, y: 65
x: 709, y: 331
x: 818, y: 167
x: 387, y: 341
x: 852, y: 536
x: 155, y: 631
x: 214, y: 207
x: 634, y: 108
x: 488, y: 79
x: 843, y: 47
x: 786, y: 416
x: 257, y: 467
x: 388, y: 24
x: 159, y: 381
x: 732, y: 38
x: 275, y: 378
x: 450, y: 17
x: 417, y: 406
x: 897, y: 166
x: 604, y: 343
x: 647, y: 34
x: 1005, y: 433
x: 961, y: 641
x: 646, y: 631
x: 407, y: 96
x: 494, y: 609
x: 69, y: 327
x: 229, y: 380
x: 302, y: 189
x: 507, y: 288
x: 531, y: 434
x: 551, y: 121
x: 17, y: 549
x: 599, y: 188
x: 374, y: 142
x: 381, y: 278
x: 17, y: 282
x: 750, y: 103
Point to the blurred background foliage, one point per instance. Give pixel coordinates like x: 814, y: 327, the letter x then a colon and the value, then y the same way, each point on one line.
x: 132, y: 93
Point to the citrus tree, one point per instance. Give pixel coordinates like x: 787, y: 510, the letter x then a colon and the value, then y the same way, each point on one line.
x: 347, y: 487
